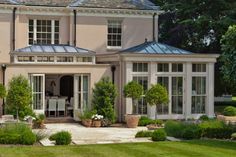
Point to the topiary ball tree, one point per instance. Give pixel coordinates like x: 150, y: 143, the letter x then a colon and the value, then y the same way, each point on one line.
x: 2, y: 91
x: 19, y: 97
x: 134, y: 91
x: 157, y: 95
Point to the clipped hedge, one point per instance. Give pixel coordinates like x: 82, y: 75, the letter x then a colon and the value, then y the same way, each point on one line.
x: 159, y: 135
x: 143, y: 134
x: 174, y: 128
x: 61, y: 138
x: 144, y: 121
x: 229, y: 111
x: 17, y: 133
x: 216, y: 129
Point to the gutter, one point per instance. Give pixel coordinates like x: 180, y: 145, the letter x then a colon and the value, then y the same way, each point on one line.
x: 154, y: 27
x: 14, y: 29
x: 75, y: 21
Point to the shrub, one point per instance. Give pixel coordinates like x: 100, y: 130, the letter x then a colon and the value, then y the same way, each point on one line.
x: 174, y: 128
x: 17, y: 134
x: 2, y: 91
x: 204, y: 118
x: 159, y: 135
x: 144, y: 121
x: 104, y: 95
x: 143, y: 134
x: 216, y: 129
x: 61, y: 138
x: 191, y: 131
x: 229, y: 111
x: 233, y: 136
x: 19, y: 97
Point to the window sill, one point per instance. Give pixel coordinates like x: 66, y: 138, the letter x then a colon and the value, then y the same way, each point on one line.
x: 114, y: 48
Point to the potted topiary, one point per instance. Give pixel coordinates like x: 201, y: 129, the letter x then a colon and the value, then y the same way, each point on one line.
x: 134, y: 91
x: 157, y: 95
x: 229, y: 115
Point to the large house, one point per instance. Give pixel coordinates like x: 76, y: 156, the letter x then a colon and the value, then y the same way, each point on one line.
x: 65, y: 46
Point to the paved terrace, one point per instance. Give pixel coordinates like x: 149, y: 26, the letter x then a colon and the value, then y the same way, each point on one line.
x: 102, y: 135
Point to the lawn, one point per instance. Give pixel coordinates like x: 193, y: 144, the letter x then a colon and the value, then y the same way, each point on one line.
x: 199, y: 148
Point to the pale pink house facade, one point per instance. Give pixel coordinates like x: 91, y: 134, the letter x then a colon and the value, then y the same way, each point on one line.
x: 65, y: 46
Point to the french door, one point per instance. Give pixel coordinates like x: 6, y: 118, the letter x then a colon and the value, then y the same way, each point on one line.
x: 81, y: 92
x: 37, y: 82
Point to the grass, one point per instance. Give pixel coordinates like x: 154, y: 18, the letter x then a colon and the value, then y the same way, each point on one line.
x: 202, y: 148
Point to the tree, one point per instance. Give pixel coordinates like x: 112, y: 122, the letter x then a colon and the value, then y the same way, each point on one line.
x: 228, y: 58
x: 157, y: 95
x: 134, y: 91
x: 104, y: 95
x: 2, y: 91
x: 19, y: 97
x: 195, y: 25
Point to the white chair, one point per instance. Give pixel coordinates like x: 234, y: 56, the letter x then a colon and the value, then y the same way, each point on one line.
x: 70, y: 107
x: 61, y: 105
x: 52, y: 106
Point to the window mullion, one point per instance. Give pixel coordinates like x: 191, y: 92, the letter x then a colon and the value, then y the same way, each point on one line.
x: 53, y: 31
x: 35, y: 31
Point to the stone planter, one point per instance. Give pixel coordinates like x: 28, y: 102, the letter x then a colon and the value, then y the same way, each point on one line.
x: 87, y: 122
x: 132, y: 120
x: 97, y: 123
x: 227, y: 119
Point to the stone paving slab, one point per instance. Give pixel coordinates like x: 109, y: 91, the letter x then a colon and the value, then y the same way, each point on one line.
x: 83, y: 135
x: 47, y: 142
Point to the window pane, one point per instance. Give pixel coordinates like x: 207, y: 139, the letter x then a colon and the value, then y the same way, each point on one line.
x: 177, y: 95
x: 162, y: 67
x: 140, y: 67
x: 177, y: 67
x: 199, y: 68
x: 163, y: 109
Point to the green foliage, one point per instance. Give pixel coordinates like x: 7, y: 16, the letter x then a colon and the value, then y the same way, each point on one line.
x: 134, y: 91
x: 39, y: 121
x: 19, y: 97
x: 104, y: 95
x: 233, y: 136
x: 191, y: 131
x: 228, y: 47
x: 143, y: 134
x: 87, y: 114
x: 216, y: 129
x: 229, y: 111
x: 17, y: 134
x: 144, y: 121
x: 61, y: 138
x: 182, y: 130
x: 174, y: 128
x: 157, y: 95
x: 2, y: 91
x: 159, y: 135
x: 204, y: 118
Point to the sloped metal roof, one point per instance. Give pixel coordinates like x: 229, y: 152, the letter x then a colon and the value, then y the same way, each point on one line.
x: 155, y: 48
x: 48, y: 49
x: 116, y: 4
x: 112, y: 4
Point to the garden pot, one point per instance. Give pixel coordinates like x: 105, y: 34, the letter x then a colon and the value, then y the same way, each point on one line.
x: 132, y: 120
x: 97, y: 123
x: 87, y: 122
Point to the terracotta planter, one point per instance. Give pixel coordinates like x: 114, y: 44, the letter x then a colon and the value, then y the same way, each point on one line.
x: 87, y: 122
x: 132, y: 120
x: 97, y: 123
x: 227, y: 119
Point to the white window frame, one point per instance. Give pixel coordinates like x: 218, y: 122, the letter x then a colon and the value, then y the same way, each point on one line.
x: 35, y: 30
x: 111, y: 47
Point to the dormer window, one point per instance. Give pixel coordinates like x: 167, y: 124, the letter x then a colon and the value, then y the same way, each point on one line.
x: 43, y: 32
x: 114, y: 35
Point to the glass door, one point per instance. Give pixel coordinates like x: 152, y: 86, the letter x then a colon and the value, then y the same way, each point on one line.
x: 37, y: 82
x: 81, y: 92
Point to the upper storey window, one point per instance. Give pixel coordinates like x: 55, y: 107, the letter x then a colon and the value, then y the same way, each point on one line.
x: 43, y: 31
x: 114, y: 34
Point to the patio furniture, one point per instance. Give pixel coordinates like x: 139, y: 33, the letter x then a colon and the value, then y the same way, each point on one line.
x: 52, y: 106
x: 61, y: 106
